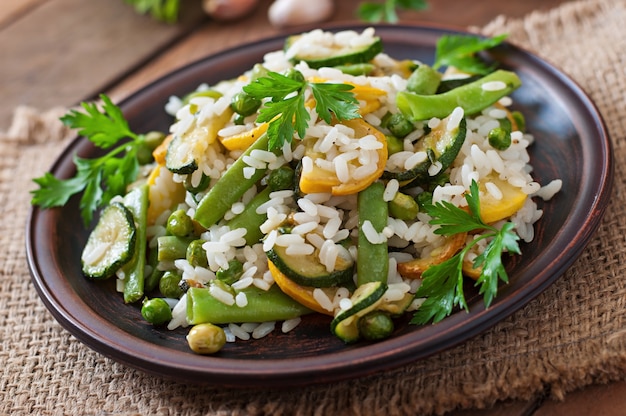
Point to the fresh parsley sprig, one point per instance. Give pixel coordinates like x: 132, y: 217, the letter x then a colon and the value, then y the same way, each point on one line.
x: 460, y: 52
x: 387, y: 11
x: 442, y: 284
x: 100, y: 178
x: 285, y: 110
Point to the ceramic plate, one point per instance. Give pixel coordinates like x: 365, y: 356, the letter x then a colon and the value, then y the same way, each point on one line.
x: 571, y: 144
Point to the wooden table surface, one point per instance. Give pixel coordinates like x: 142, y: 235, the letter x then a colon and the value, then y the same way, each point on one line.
x: 60, y: 52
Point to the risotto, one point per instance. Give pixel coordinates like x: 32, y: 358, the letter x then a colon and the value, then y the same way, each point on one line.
x: 248, y: 234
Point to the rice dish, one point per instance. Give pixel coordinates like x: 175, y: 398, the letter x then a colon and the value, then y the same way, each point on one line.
x: 320, y: 222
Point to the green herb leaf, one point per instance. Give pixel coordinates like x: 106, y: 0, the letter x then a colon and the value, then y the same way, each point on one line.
x: 335, y: 99
x: 460, y: 52
x: 102, y: 178
x: 103, y: 129
x: 162, y: 10
x: 285, y: 111
x: 387, y: 11
x: 442, y: 284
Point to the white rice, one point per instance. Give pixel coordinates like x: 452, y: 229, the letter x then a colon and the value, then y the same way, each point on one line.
x: 320, y: 222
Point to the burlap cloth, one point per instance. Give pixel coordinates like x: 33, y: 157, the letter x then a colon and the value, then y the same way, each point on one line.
x: 572, y: 335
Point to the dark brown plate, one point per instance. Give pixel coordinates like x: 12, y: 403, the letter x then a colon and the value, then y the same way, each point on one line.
x: 571, y: 144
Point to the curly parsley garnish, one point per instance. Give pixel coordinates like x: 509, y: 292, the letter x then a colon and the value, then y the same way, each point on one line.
x: 100, y: 178
x: 285, y: 111
x: 460, y: 51
x: 442, y: 284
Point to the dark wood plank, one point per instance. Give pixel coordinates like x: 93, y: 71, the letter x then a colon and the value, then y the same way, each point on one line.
x: 65, y: 50
x: 603, y: 399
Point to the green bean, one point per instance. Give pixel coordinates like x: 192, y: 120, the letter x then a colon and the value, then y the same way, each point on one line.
x: 263, y: 306
x: 403, y: 207
x: 229, y: 188
x: 137, y: 203
x: 250, y: 219
x: 471, y: 97
x: 375, y: 325
x: 394, y: 144
x: 152, y: 280
x: 424, y: 80
x: 172, y: 248
x: 357, y: 69
x: 372, y: 259
x: 279, y: 179
x: 519, y: 120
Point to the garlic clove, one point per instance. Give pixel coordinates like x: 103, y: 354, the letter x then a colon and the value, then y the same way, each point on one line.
x: 283, y: 13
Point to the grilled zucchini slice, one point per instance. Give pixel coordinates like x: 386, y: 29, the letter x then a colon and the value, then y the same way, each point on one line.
x: 111, y: 244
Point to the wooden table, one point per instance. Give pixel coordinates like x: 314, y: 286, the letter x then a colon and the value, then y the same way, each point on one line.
x: 59, y: 52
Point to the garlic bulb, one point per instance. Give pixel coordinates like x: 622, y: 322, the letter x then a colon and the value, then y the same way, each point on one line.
x: 284, y: 13
x: 228, y: 9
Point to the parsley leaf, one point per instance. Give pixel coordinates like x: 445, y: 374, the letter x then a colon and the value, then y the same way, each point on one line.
x: 460, y: 51
x: 442, y: 284
x: 386, y: 12
x: 285, y: 111
x: 162, y: 10
x: 102, y: 178
x: 335, y: 99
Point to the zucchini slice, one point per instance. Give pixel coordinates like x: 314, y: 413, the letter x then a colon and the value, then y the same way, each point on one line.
x: 441, y: 145
x: 339, y: 56
x: 186, y: 150
x: 307, y: 270
x: 365, y: 299
x: 111, y: 244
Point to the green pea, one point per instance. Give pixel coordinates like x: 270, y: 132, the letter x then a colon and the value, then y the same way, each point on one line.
x: 232, y: 273
x: 394, y: 144
x: 196, y: 255
x: 398, y: 124
x: 169, y: 285
x: 206, y: 338
x: 179, y: 224
x: 424, y: 80
x: 244, y: 104
x: 156, y: 311
x: 281, y: 178
x: 148, y: 143
x: 499, y: 138
x: 424, y: 199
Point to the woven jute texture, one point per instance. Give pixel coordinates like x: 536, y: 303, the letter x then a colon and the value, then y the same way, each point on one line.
x: 572, y: 335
